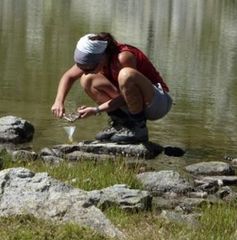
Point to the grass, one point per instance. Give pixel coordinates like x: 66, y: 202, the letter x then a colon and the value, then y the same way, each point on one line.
x: 30, y: 228
x: 87, y: 175
x: 218, y: 221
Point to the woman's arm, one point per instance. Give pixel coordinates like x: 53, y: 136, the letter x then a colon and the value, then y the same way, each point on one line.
x: 104, y: 107
x: 112, y: 104
x: 65, y: 84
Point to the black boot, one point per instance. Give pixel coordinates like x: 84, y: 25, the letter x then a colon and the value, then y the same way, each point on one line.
x: 118, y: 119
x: 134, y: 132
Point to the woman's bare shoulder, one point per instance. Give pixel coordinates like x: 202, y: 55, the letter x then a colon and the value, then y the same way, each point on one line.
x: 127, y: 59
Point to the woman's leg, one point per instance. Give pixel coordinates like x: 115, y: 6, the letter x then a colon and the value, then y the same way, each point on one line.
x: 101, y: 90
x: 137, y: 90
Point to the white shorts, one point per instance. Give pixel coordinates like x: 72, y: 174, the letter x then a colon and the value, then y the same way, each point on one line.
x: 160, y: 105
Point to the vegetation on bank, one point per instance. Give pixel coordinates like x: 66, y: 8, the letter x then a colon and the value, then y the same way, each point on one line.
x: 217, y: 222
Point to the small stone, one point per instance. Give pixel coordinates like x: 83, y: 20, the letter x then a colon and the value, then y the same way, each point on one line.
x: 23, y: 155
x: 234, y: 162
x: 198, y: 194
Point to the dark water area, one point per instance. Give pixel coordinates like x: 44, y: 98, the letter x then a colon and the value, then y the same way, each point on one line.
x: 192, y: 43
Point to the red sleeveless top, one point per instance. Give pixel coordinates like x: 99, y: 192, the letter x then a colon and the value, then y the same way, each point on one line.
x: 144, y: 66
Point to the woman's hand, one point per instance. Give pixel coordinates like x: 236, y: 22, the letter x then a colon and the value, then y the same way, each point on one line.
x: 58, y: 109
x: 87, y: 111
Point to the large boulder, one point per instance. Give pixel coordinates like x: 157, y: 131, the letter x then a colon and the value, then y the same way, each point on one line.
x: 15, y: 130
x: 26, y: 192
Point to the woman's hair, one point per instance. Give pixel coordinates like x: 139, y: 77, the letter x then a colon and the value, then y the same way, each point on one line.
x: 112, y: 47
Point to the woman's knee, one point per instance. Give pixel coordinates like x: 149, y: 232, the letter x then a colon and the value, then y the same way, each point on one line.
x: 86, y: 82
x: 126, y: 77
x: 132, y: 82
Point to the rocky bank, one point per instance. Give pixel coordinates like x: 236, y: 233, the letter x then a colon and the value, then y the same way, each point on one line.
x: 175, y: 196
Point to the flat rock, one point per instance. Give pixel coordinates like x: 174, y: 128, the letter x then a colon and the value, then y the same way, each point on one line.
x: 221, y: 180
x: 210, y: 168
x: 95, y: 149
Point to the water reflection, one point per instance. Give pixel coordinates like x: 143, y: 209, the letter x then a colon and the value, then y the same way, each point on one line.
x: 194, y: 44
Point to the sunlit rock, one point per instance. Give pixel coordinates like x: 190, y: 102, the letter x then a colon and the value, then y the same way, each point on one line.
x: 166, y: 181
x: 147, y: 150
x: 25, y: 192
x: 210, y: 168
x: 15, y: 130
x: 122, y: 196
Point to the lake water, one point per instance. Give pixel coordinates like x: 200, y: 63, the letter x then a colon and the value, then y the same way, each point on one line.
x: 192, y: 43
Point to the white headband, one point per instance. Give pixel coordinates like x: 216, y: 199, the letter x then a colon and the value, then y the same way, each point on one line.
x: 89, y: 51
